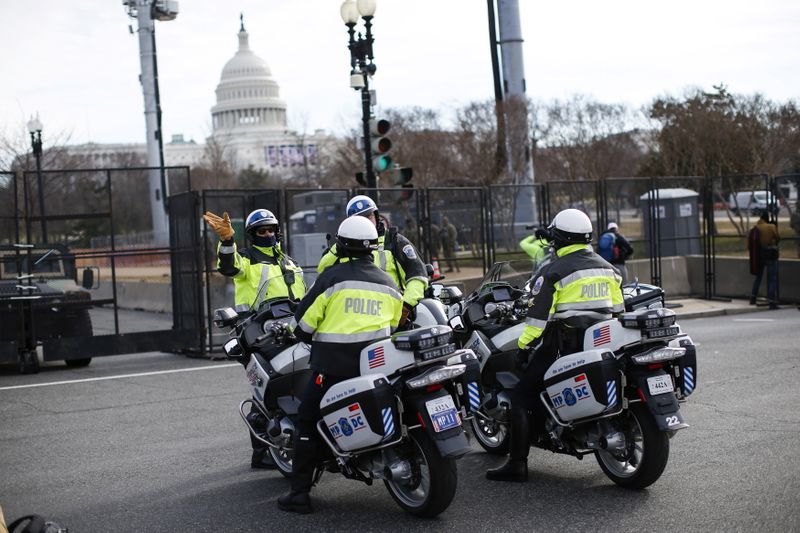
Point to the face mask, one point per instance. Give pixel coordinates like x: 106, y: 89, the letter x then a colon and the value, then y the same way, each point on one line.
x: 266, y: 241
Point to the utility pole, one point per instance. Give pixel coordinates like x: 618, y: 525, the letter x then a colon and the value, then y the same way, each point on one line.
x: 146, y: 12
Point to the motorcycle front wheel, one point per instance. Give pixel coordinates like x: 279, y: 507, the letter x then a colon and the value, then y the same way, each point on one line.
x: 429, y: 484
x: 283, y: 460
x: 491, y: 435
x: 646, y: 451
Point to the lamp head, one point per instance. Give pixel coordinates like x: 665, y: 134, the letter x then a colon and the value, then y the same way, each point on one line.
x: 349, y: 12
x: 34, y: 124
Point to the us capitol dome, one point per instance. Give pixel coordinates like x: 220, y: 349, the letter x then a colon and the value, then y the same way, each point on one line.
x: 248, y: 123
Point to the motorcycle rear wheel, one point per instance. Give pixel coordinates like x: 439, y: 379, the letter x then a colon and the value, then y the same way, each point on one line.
x: 646, y: 453
x: 492, y: 436
x: 433, y: 481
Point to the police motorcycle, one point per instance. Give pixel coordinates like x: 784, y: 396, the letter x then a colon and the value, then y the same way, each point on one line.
x: 616, y: 396
x: 400, y: 421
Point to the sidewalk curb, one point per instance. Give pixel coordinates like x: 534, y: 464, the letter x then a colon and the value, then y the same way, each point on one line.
x: 721, y: 312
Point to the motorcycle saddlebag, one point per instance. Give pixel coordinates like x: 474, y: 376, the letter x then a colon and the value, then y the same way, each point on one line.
x: 469, y: 385
x: 360, y: 412
x: 583, y: 384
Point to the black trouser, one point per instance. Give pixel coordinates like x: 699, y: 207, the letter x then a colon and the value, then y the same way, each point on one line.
x: 526, y: 394
x: 306, y: 439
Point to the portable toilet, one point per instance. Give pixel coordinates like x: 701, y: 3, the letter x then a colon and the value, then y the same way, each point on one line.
x: 678, y: 216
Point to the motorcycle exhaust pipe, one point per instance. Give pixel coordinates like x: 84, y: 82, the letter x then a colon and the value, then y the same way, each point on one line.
x: 399, y: 470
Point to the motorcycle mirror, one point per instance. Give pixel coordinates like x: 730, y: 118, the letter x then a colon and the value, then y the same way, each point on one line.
x: 232, y: 348
x: 456, y: 323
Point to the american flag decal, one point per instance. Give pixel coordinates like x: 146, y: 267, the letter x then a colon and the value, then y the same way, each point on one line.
x: 375, y: 357
x: 601, y: 335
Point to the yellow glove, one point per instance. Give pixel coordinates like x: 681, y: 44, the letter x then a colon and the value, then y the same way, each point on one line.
x: 221, y: 226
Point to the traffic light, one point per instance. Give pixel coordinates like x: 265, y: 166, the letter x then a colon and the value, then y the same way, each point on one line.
x: 401, y: 176
x: 380, y: 145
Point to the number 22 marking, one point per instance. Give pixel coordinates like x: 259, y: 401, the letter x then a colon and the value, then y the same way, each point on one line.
x: 672, y: 420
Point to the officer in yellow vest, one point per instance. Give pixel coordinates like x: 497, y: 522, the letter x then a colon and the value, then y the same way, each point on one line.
x: 352, y: 304
x: 575, y: 290
x: 263, y: 262
x: 395, y: 255
x: 537, y: 246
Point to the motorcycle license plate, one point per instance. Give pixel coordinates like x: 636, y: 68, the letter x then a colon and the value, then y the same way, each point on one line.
x: 443, y: 413
x: 659, y: 384
x: 661, y: 332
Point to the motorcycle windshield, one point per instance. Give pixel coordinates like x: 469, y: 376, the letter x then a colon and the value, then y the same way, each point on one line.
x: 516, y: 273
x: 272, y: 290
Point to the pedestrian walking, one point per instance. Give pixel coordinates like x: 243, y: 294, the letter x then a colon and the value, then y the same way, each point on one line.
x: 762, y: 245
x: 449, y: 238
x: 795, y: 223
x: 615, y: 248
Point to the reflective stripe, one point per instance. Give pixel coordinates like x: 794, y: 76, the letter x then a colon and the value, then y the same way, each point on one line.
x: 587, y: 273
x: 227, y: 249
x: 590, y: 314
x: 362, y: 286
x: 292, y: 324
x: 536, y: 323
x: 382, y: 260
x: 591, y: 304
x: 305, y: 326
x: 618, y: 308
x: 421, y: 278
x: 350, y: 337
x: 264, y: 280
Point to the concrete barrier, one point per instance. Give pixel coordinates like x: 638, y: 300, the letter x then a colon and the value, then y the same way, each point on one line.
x: 681, y: 277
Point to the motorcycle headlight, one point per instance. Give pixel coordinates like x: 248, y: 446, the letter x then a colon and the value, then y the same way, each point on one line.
x: 436, y: 375
x: 661, y: 354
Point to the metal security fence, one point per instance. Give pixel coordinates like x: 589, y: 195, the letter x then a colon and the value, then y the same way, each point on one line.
x: 85, y: 295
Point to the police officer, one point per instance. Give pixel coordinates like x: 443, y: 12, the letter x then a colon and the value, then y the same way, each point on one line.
x: 537, y: 246
x: 395, y: 255
x: 352, y: 304
x: 575, y: 290
x: 263, y: 262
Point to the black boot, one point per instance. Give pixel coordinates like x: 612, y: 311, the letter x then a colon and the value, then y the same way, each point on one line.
x: 516, y: 467
x: 261, y: 458
x: 303, y: 463
x: 295, y: 502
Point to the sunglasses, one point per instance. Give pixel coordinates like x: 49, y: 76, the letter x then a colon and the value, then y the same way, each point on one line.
x: 264, y: 230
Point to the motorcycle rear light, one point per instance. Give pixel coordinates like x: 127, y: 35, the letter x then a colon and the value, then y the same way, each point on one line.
x: 421, y: 420
x: 654, y: 366
x: 665, y: 353
x: 433, y: 388
x: 436, y: 375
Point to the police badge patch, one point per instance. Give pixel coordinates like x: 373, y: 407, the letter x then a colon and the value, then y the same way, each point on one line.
x: 409, y: 251
x: 537, y: 286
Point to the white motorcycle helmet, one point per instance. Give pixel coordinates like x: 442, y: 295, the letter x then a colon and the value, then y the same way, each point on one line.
x: 357, y: 236
x: 571, y: 226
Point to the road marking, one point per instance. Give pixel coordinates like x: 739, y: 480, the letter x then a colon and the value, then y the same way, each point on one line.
x: 140, y: 374
x: 753, y: 320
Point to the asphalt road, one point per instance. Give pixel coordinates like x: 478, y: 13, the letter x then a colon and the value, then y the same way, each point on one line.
x: 167, y: 452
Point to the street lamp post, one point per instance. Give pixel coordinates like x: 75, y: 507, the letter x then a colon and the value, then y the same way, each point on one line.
x: 35, y: 129
x: 361, y: 68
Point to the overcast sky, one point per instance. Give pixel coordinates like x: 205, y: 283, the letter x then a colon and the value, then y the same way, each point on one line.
x: 77, y: 65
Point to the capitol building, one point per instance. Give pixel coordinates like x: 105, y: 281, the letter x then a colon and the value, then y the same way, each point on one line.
x: 248, y: 124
